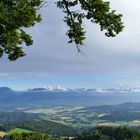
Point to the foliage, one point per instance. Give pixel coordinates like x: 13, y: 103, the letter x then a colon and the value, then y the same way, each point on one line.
x: 97, y: 11
x: 100, y: 133
x: 30, y: 136
x: 17, y: 15
x: 110, y: 133
x: 19, y: 131
x: 49, y: 127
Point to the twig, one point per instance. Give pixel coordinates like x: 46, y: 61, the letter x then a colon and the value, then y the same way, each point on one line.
x: 41, y: 5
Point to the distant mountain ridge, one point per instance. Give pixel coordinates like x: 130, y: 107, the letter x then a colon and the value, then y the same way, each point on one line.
x: 98, y: 90
x: 5, y: 89
x: 40, y: 97
x: 63, y: 89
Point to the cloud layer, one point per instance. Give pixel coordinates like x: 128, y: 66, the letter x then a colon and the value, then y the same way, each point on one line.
x: 51, y: 54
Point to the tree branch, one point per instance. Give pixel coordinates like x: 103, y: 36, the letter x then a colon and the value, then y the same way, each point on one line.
x: 72, y: 20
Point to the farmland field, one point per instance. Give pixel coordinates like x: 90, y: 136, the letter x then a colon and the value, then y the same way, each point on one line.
x: 92, y: 116
x: 2, y: 134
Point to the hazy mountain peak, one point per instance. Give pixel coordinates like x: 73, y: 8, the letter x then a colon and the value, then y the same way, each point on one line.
x: 5, y: 89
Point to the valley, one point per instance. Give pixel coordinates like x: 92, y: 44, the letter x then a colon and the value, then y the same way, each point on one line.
x: 67, y: 113
x: 79, y: 117
x: 125, y: 115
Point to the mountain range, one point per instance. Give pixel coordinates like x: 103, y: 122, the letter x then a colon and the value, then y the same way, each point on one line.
x: 41, y: 97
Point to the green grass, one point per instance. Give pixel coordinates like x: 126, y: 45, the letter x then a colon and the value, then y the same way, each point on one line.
x: 19, y: 131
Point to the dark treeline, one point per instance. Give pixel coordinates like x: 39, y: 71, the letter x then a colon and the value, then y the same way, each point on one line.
x: 110, y: 133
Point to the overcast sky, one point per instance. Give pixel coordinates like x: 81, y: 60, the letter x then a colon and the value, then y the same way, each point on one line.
x: 106, y: 62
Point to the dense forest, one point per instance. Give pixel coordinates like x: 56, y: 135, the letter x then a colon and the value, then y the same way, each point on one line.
x: 42, y: 126
x: 110, y: 133
x: 100, y: 133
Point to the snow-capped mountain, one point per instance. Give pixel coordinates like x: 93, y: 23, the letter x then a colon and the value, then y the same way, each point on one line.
x: 49, y: 95
x: 59, y: 88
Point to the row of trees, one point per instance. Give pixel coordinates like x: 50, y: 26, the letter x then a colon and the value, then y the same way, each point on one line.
x: 101, y: 133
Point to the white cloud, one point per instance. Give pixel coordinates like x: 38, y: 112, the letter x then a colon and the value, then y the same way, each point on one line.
x: 53, y: 55
x: 6, y: 74
x: 34, y: 74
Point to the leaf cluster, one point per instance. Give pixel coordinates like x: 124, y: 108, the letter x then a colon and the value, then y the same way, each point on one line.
x: 17, y: 15
x: 96, y: 11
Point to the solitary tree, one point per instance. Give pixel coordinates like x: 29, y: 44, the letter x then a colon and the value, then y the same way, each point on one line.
x: 16, y: 15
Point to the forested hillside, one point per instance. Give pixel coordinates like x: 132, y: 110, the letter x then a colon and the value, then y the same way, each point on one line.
x: 11, y: 117
x: 100, y: 133
x: 43, y: 126
x: 110, y: 133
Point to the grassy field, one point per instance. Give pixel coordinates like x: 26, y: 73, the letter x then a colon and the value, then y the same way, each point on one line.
x: 19, y: 130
